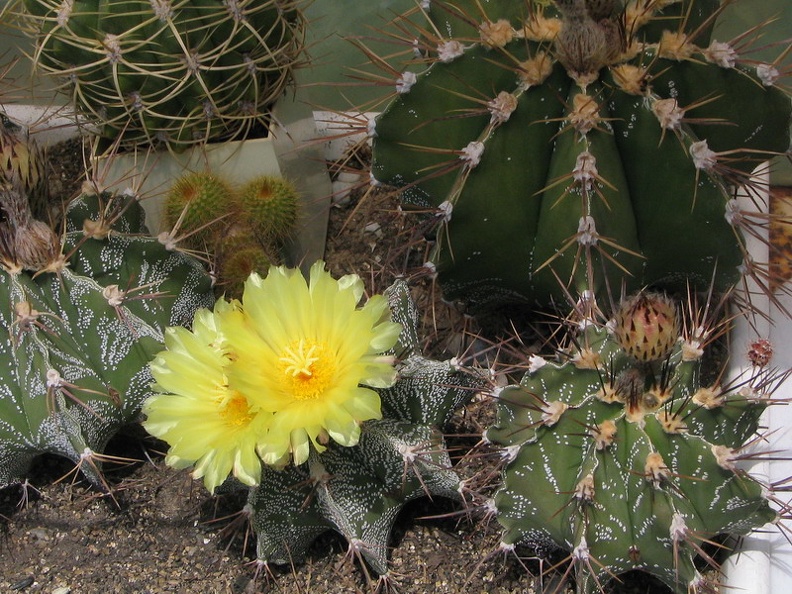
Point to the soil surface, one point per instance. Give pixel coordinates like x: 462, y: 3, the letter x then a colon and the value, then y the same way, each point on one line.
x: 156, y: 530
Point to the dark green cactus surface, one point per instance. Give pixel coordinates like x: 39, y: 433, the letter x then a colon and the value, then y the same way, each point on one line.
x: 358, y: 491
x: 169, y: 71
x: 592, y: 145
x: 627, y: 464
x: 78, y: 338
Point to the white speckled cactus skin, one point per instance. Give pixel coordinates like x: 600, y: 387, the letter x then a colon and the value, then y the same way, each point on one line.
x: 628, y: 462
x: 78, y: 340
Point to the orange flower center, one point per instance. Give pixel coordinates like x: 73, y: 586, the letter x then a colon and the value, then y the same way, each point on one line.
x: 234, y: 409
x: 308, y: 369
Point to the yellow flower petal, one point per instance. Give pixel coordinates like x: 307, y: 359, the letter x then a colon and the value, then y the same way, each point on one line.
x: 274, y: 377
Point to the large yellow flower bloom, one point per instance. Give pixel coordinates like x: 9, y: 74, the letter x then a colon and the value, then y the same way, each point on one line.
x: 288, y: 369
x: 207, y: 423
x: 307, y: 354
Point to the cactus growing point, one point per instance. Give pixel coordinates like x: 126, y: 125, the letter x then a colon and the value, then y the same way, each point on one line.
x: 593, y: 143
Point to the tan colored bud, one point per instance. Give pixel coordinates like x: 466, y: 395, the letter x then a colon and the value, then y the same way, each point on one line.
x: 647, y: 327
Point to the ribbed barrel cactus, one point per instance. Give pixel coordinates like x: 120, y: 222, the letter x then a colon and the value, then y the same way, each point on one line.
x: 169, y: 71
x: 598, y: 143
x: 82, y: 315
x: 624, y: 455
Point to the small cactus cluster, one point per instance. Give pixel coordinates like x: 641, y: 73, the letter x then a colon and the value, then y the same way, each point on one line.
x: 358, y: 491
x: 245, y: 227
x: 595, y: 143
x: 82, y: 316
x: 174, y: 72
x: 624, y: 456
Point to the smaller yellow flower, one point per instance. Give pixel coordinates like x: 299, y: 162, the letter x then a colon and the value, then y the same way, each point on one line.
x: 307, y: 354
x: 207, y: 423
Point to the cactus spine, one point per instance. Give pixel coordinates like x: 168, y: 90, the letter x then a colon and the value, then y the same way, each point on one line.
x: 358, y: 491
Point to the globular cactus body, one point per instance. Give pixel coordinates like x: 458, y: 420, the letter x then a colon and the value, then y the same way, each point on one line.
x: 79, y: 336
x: 358, y: 491
x: 176, y: 72
x: 591, y: 149
x: 627, y: 463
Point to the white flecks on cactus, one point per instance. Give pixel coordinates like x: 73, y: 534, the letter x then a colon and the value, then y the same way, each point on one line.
x: 472, y: 153
x: 405, y: 82
x: 448, y: 51
x: 720, y: 53
x: 768, y: 74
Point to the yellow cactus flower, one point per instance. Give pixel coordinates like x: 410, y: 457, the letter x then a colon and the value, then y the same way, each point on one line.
x: 207, y: 423
x: 307, y: 354
x: 268, y: 379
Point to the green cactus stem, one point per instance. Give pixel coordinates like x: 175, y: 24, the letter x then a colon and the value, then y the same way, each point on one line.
x: 174, y: 72
x: 81, y: 319
x: 594, y: 143
x: 195, y: 204
x: 271, y: 205
x: 358, y: 491
x: 630, y: 461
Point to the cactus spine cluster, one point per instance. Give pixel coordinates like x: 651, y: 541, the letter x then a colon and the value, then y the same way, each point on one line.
x: 592, y: 142
x: 82, y: 315
x: 169, y: 71
x: 623, y: 455
x: 358, y: 491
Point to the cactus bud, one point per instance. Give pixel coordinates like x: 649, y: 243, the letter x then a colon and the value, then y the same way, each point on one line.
x: 646, y: 326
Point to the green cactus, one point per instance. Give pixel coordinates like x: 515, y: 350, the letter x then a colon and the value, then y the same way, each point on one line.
x: 270, y: 204
x: 82, y: 316
x: 587, y: 142
x: 358, y: 491
x: 194, y: 205
x: 169, y: 71
x: 624, y: 456
x: 237, y: 262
